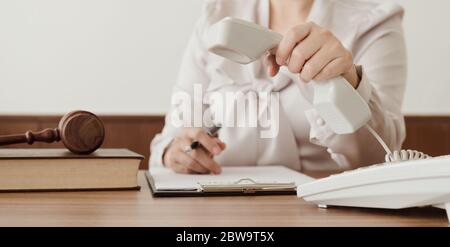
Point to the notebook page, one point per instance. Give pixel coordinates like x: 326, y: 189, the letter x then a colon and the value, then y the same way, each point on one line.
x: 167, y: 180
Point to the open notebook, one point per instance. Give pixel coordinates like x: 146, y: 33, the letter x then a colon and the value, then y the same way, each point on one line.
x: 268, y: 180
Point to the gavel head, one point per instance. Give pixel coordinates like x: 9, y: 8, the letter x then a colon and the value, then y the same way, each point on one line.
x: 81, y: 132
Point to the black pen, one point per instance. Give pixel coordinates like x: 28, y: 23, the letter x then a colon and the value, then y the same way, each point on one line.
x: 210, y: 131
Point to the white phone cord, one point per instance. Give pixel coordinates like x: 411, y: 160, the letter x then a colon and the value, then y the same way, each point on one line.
x: 403, y: 155
x: 379, y: 139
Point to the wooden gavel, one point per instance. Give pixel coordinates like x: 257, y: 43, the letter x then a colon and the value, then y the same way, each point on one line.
x: 81, y: 132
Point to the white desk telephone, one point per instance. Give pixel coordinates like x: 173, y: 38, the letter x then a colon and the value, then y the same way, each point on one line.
x: 407, y: 179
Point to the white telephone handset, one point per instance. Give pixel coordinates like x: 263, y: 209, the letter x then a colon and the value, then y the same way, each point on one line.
x: 412, y: 182
x: 336, y: 101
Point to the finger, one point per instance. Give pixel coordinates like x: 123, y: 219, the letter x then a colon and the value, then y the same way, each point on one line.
x: 184, y: 159
x: 223, y: 145
x: 303, y: 52
x: 335, y: 68
x: 316, y: 63
x: 207, y: 141
x: 179, y: 168
x: 203, y: 158
x: 173, y: 160
x: 290, y: 40
x: 272, y: 67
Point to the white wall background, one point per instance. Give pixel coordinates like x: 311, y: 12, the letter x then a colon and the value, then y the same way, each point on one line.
x: 122, y: 56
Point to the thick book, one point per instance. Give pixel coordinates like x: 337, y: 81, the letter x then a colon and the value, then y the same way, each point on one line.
x: 23, y: 170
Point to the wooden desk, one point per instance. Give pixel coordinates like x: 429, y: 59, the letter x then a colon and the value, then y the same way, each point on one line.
x: 138, y: 208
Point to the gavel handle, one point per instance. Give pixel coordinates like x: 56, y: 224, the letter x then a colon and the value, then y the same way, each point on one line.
x: 47, y: 135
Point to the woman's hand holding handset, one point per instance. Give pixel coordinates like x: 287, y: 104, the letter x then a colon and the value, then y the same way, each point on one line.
x: 314, y: 53
x: 199, y: 160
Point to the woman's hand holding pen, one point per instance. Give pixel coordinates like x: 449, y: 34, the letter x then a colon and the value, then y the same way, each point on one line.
x: 197, y: 160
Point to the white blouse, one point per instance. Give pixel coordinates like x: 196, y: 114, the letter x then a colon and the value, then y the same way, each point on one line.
x: 374, y: 34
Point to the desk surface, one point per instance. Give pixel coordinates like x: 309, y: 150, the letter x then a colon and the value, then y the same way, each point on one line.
x: 139, y: 208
